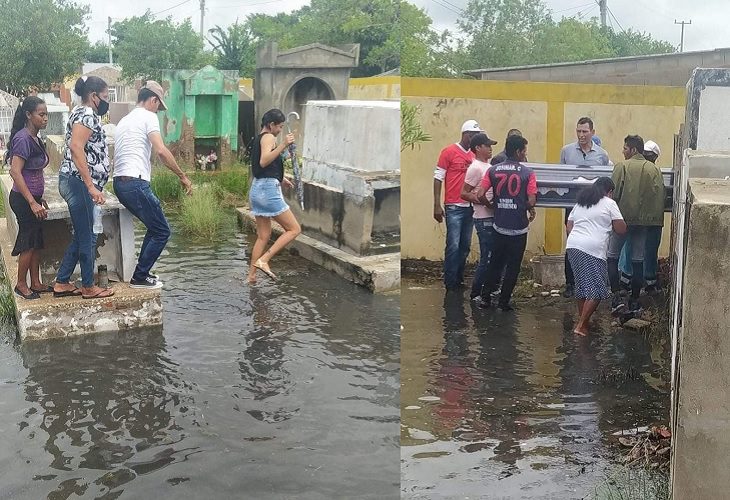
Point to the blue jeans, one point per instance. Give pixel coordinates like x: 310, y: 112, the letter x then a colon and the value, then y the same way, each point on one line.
x: 651, y: 257
x: 485, y: 232
x: 459, y: 226
x: 82, y: 249
x: 137, y: 196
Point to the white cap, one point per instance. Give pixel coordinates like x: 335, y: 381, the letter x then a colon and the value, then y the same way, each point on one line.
x: 652, y: 147
x: 471, y: 126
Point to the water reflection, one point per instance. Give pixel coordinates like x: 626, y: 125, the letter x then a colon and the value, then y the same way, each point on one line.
x: 517, y: 402
x: 285, y: 389
x: 105, y: 403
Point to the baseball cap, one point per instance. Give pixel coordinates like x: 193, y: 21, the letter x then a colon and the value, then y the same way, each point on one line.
x: 652, y: 147
x: 481, y: 139
x: 156, y: 88
x: 471, y: 126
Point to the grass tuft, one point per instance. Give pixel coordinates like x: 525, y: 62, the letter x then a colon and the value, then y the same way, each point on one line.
x: 201, y: 215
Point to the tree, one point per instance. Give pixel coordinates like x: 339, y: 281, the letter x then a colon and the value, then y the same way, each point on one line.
x: 146, y: 46
x: 99, y: 53
x: 502, y: 33
x: 571, y: 40
x: 374, y: 24
x: 43, y: 42
x: 235, y: 48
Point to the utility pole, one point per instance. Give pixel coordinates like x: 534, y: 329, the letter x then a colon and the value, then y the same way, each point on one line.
x: 109, y: 30
x: 603, y: 7
x: 681, y: 40
x: 202, y: 16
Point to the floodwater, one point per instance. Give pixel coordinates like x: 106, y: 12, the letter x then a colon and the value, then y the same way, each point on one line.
x: 502, y: 405
x: 286, y: 390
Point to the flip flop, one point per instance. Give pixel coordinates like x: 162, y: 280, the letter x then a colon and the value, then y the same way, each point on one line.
x: 30, y: 296
x: 67, y: 293
x: 47, y: 289
x: 99, y: 295
x: 259, y: 265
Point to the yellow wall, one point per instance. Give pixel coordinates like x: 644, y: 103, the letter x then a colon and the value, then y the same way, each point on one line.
x: 373, y: 88
x: 546, y: 114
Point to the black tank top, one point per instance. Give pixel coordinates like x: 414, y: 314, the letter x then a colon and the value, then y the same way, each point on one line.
x: 275, y: 170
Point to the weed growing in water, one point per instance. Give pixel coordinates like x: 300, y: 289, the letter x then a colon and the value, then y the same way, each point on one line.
x: 201, y: 215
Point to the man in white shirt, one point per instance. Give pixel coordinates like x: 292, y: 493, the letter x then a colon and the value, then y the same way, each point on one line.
x: 136, y: 135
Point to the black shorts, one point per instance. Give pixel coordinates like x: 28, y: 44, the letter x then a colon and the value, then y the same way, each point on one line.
x: 30, y: 227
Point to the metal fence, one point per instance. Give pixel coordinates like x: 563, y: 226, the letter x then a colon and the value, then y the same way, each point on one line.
x: 8, y: 104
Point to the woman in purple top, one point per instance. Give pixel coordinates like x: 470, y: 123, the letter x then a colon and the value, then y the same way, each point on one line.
x: 27, y: 157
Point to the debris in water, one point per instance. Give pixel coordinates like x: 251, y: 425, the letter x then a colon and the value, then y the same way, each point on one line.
x: 429, y: 398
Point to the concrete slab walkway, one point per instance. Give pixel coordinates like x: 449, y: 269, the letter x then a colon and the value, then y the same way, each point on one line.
x: 377, y: 273
x: 50, y: 317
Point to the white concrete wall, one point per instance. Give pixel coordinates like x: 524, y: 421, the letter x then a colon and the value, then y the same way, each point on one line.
x: 350, y: 136
x: 713, y: 129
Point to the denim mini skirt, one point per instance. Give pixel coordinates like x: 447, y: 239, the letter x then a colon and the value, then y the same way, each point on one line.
x: 266, y: 199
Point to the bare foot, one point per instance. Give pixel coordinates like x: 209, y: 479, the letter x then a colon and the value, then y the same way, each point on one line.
x: 264, y: 266
x: 251, y: 280
x: 582, y: 333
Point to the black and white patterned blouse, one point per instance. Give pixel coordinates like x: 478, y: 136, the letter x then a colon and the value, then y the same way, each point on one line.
x: 97, y: 156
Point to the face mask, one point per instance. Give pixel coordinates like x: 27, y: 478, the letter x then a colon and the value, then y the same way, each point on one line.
x: 102, y: 108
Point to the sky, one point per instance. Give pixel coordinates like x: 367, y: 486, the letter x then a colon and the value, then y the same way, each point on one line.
x: 707, y: 31
x: 217, y: 12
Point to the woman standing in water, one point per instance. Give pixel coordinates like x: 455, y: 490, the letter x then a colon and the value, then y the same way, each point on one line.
x: 27, y: 157
x: 84, y: 172
x: 265, y: 197
x: 589, y: 226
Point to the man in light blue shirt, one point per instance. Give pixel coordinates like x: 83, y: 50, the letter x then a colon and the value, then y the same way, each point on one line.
x: 585, y: 153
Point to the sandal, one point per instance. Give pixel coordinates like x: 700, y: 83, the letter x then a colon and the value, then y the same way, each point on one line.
x: 102, y: 294
x: 260, y: 265
x: 67, y: 293
x: 30, y: 296
x: 47, y: 289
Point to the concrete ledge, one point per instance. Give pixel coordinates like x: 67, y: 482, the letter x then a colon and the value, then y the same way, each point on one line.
x: 378, y: 273
x: 549, y: 270
x: 50, y: 317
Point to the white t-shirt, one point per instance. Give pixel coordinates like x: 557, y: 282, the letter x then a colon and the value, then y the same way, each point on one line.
x: 474, y: 175
x: 132, y: 145
x: 592, y: 227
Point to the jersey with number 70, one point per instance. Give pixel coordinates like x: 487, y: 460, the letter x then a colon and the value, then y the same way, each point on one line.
x: 511, y: 183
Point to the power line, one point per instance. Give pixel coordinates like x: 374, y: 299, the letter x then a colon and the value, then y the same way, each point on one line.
x: 170, y: 8
x: 457, y: 12
x: 460, y: 9
x: 577, y: 7
x: 583, y: 15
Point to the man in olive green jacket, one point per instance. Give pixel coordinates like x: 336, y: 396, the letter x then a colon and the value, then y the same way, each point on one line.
x: 640, y: 197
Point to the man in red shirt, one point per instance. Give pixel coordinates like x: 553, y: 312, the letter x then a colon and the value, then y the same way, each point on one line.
x: 451, y: 168
x: 515, y: 193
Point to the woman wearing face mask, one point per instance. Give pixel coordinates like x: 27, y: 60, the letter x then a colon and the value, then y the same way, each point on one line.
x: 84, y: 172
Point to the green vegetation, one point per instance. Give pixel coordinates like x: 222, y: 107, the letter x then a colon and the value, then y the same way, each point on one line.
x: 411, y: 131
x: 166, y: 185
x: 145, y: 46
x: 503, y: 33
x: 43, y: 42
x: 7, y: 308
x: 633, y: 484
x: 202, y: 215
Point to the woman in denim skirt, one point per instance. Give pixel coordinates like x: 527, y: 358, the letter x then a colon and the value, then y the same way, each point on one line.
x: 265, y: 197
